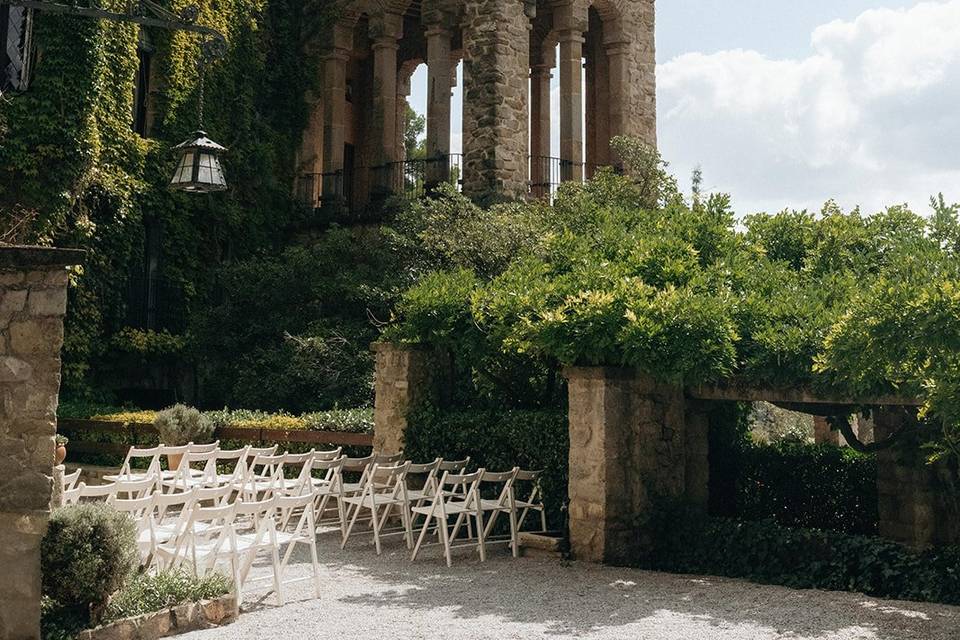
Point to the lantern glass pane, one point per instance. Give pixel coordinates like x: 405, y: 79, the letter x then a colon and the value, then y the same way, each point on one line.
x: 184, y: 172
x: 205, y: 175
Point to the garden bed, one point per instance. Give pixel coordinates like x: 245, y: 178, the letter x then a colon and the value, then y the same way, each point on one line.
x: 167, y: 622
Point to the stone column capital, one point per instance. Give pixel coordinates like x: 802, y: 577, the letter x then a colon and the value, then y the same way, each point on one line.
x: 570, y: 35
x: 617, y: 47
x: 438, y: 31
x: 385, y: 42
x: 336, y: 54
x: 541, y: 71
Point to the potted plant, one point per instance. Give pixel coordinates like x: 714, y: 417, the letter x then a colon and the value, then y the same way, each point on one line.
x: 179, y: 425
x: 61, y: 451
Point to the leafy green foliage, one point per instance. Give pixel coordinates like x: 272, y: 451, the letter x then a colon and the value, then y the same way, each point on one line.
x: 497, y: 441
x: 622, y: 272
x: 684, y: 541
x: 88, y: 552
x: 292, y: 331
x: 147, y: 593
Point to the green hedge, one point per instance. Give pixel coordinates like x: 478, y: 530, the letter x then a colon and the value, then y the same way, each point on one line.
x: 808, y: 486
x: 765, y: 552
x: 498, y: 441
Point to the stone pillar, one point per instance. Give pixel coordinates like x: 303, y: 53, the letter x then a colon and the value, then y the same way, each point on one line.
x: 629, y: 444
x: 33, y: 297
x: 310, y: 157
x: 496, y: 45
x: 439, y: 70
x: 385, y: 97
x: 540, y: 76
x: 916, y: 501
x: 571, y: 104
x: 598, y: 109
x: 618, y: 78
x: 405, y: 376
x: 335, y: 112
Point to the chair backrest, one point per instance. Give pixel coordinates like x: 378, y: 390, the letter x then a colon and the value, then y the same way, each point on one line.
x: 288, y: 506
x: 388, y: 458
x: 217, y: 495
x: 171, y: 450
x: 533, y: 477
x: 455, y: 465
x: 165, y: 505
x: 94, y: 492
x: 133, y: 453
x: 461, y: 479
x: 358, y: 464
x: 70, y: 480
x: 129, y: 490
x: 465, y: 487
x: 205, y: 462
x: 239, y: 457
x: 506, y: 478
x: 262, y: 451
x: 203, y: 448
x: 387, y: 479
x: 301, y: 483
x: 332, y: 454
x: 138, y: 508
x: 428, y: 469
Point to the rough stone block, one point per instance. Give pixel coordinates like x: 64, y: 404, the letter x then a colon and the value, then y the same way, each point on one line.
x: 14, y: 370
x: 36, y: 336
x: 48, y: 302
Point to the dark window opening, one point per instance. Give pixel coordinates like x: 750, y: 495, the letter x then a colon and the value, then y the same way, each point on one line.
x: 15, y: 30
x: 141, y: 94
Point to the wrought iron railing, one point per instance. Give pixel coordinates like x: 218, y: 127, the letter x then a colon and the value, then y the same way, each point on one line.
x: 547, y: 173
x: 411, y: 178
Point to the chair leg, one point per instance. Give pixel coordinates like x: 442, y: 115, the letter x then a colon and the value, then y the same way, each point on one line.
x: 346, y: 534
x: 376, y: 526
x: 514, y: 536
x: 423, y: 534
x: 277, y: 582
x: 444, y: 534
x: 481, y: 535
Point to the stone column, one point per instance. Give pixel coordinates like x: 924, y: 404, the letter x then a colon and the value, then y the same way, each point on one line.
x: 495, y: 80
x: 916, y: 503
x: 385, y: 96
x: 598, y: 109
x: 33, y: 298
x: 628, y: 445
x: 334, y: 116
x: 540, y: 76
x: 405, y: 376
x: 618, y: 79
x: 571, y: 104
x: 310, y: 157
x: 439, y: 70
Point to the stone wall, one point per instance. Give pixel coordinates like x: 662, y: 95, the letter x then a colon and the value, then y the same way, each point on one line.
x: 917, y: 501
x: 33, y: 295
x: 405, y: 375
x: 629, y: 444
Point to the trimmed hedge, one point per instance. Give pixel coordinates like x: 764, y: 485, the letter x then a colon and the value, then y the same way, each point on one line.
x: 498, y: 441
x: 808, y: 486
x: 684, y: 541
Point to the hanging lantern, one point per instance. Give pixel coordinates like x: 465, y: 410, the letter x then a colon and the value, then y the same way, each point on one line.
x: 199, y: 170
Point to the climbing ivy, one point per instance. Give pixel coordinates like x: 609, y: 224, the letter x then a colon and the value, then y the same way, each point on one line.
x: 73, y: 173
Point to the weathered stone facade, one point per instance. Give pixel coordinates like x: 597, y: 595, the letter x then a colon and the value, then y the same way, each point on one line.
x: 33, y: 297
x: 353, y: 147
x: 405, y: 375
x: 632, y: 440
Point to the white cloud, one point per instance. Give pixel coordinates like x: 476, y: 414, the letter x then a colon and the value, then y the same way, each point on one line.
x: 871, y: 116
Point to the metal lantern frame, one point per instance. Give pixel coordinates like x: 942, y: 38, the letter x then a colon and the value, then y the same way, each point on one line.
x: 198, y: 167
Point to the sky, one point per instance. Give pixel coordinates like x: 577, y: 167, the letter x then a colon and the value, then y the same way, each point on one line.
x: 786, y: 104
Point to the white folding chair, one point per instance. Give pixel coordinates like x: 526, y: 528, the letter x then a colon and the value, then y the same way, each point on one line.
x: 384, y: 459
x: 127, y: 471
x: 505, y: 502
x: 330, y: 454
x: 263, y: 478
x: 205, y: 540
x: 239, y: 459
x: 254, y: 533
x: 298, y: 530
x: 170, y: 513
x: 167, y: 451
x: 534, y: 500
x: 461, y: 500
x: 197, y: 469
x: 384, y: 488
x: 141, y: 510
x: 329, y: 487
x: 300, y: 465
x: 121, y: 489
x: 70, y: 480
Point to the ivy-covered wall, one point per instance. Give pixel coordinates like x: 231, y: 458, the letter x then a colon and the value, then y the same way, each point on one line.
x: 73, y: 172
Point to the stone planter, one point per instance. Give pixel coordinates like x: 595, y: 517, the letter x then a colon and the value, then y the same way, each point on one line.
x: 167, y: 622
x: 546, y: 544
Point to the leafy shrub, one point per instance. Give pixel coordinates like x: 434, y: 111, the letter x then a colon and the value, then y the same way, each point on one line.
x: 145, y: 416
x: 147, y: 593
x: 498, y: 441
x: 684, y: 541
x: 88, y: 552
x: 181, y: 424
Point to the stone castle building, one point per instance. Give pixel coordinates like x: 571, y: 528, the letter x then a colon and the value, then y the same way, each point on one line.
x: 510, y: 49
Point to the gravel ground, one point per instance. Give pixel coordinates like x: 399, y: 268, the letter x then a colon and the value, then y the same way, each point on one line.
x: 370, y: 597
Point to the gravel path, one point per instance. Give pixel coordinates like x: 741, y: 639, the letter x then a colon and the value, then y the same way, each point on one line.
x: 370, y: 597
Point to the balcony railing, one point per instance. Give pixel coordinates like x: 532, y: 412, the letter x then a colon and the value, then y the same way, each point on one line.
x: 407, y: 178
